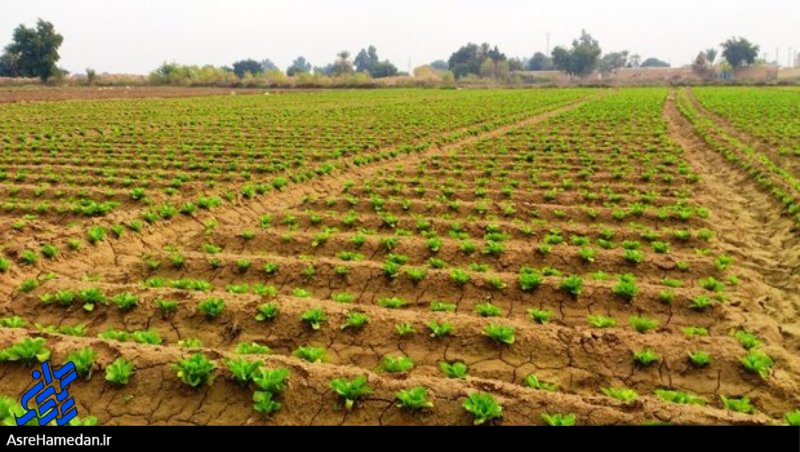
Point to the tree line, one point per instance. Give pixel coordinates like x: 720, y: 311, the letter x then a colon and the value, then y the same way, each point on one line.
x: 33, y: 52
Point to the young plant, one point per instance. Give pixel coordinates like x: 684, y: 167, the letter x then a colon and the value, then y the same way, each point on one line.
x: 119, y: 372
x: 741, y: 405
x: 622, y: 394
x: 757, y: 362
x: 242, y: 370
x: 125, y: 301
x: 266, y: 312
x: 195, y: 370
x: 573, y: 285
x: 355, y: 320
x: 439, y: 330
x: 599, y: 321
x: 483, y: 407
x: 392, y: 303
x: 456, y: 370
x: 211, y: 307
x: 26, y: 351
x: 643, y: 324
x: 559, y: 420
x: 414, y: 399
x: 404, y: 329
x: 626, y: 287
x: 310, y: 354
x: 500, y: 334
x: 264, y: 403
x: 393, y: 365
x: 534, y: 382
x: 271, y: 380
x: 700, y: 358
x: 350, y: 391
x: 166, y: 307
x: 540, y: 316
x: 83, y: 359
x: 680, y: 397
x: 252, y: 348
x: 530, y: 279
x: 488, y: 310
x: 314, y: 318
x: 645, y: 357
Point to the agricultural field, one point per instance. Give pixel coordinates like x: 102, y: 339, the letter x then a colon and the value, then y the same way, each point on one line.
x: 399, y: 257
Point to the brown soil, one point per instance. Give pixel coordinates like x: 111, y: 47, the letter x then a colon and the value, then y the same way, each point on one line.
x: 46, y: 94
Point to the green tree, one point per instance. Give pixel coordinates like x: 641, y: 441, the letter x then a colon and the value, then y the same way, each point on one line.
x: 33, y: 52
x: 540, y: 62
x: 613, y: 61
x: 469, y: 59
x: 366, y: 59
x: 440, y: 65
x: 342, y: 65
x: 299, y: 66
x: 250, y: 65
x: 654, y: 62
x: 739, y: 52
x: 581, y: 59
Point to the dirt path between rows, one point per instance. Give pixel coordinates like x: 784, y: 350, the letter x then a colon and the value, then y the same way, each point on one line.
x: 245, y: 213
x: 752, y: 230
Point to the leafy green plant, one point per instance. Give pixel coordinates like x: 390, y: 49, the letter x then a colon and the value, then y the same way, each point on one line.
x: 599, y: 321
x: 573, y: 285
x: 439, y: 330
x: 351, y: 390
x: 483, y: 407
x: 252, y: 348
x: 242, y: 370
x: 399, y: 364
x: 540, y: 316
x: 534, y: 382
x: 310, y: 354
x: 626, y: 287
x: 457, y: 370
x: 266, y: 312
x: 13, y: 322
x: 166, y: 307
x: 314, y: 318
x: 355, y: 320
x: 622, y: 394
x: 530, y: 279
x: 271, y: 380
x: 83, y: 359
x: 747, y: 339
x: 125, y: 301
x: 460, y: 277
x: 195, y: 371
x: 119, y: 372
x: 488, y: 310
x: 28, y: 257
x: 392, y: 303
x: 700, y: 358
x: 264, y: 403
x: 26, y: 350
x: 740, y: 405
x: 404, y: 329
x: 701, y: 303
x: 211, y: 307
x: 499, y: 333
x: 645, y: 357
x: 758, y: 363
x: 414, y: 399
x: 5, y: 265
x: 559, y: 420
x: 680, y: 397
x: 49, y: 251
x: 643, y: 324
x: 793, y: 418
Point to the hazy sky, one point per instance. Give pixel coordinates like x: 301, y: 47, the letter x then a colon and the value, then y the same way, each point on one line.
x: 135, y: 36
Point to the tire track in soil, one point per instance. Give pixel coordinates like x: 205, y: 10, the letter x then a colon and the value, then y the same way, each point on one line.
x: 752, y: 229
